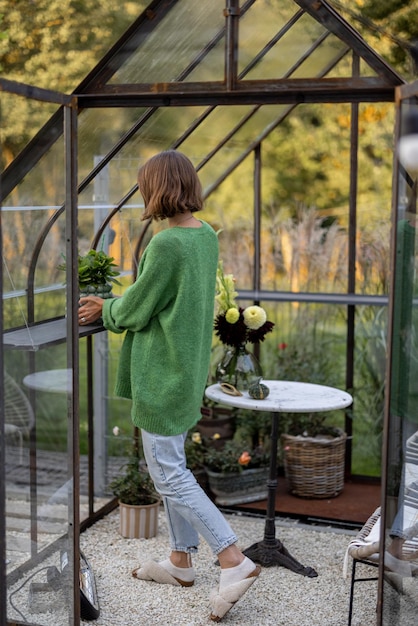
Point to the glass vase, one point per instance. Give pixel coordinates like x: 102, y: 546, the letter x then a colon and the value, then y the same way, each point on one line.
x: 238, y: 367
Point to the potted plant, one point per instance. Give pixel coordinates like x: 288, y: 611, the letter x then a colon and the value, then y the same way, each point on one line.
x: 313, y: 452
x: 235, y: 327
x: 217, y: 423
x: 237, y: 474
x: 96, y: 273
x: 138, y: 501
x: 195, y: 450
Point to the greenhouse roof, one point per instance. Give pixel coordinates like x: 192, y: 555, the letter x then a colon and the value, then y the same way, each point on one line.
x: 254, y: 55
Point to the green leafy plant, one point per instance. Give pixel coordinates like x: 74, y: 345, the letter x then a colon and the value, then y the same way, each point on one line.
x: 235, y: 457
x: 253, y: 428
x: 303, y: 363
x: 94, y: 269
x: 134, y: 485
x: 195, y: 451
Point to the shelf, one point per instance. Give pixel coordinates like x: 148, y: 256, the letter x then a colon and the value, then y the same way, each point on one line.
x: 44, y: 334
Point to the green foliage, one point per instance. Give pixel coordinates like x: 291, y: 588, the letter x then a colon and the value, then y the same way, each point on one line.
x: 53, y: 44
x: 134, y: 486
x: 315, y: 360
x: 314, y: 173
x: 389, y: 25
x: 227, y: 460
x: 195, y: 450
x: 253, y: 428
x: 369, y: 385
x: 95, y: 268
x: 307, y: 361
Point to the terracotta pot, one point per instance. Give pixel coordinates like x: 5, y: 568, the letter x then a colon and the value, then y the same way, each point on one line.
x: 138, y: 521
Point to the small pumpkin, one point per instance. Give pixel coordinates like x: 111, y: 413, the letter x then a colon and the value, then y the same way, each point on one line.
x: 258, y: 391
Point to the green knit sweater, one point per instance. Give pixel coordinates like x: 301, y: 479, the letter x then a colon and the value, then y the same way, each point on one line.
x: 168, y: 316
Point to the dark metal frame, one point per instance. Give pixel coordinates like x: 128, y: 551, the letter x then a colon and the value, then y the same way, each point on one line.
x: 403, y: 93
x: 94, y: 92
x: 69, y: 104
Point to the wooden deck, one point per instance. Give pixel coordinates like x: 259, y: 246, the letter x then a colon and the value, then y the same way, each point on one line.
x: 351, y: 508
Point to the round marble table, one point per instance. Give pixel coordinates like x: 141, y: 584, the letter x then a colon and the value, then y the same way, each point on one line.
x: 55, y: 381
x: 285, y: 397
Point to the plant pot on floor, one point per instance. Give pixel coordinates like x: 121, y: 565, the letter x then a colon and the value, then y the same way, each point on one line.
x: 230, y: 489
x: 314, y: 466
x: 217, y: 425
x: 139, y: 521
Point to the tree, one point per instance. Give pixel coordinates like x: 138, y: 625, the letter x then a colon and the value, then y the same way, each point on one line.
x: 391, y: 26
x: 53, y: 44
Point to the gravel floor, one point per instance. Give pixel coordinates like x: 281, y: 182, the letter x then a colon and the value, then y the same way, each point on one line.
x: 279, y: 597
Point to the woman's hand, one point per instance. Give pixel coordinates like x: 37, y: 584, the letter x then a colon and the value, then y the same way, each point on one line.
x: 90, y: 309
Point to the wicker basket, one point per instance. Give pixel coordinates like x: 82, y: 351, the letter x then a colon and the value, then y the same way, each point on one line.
x: 314, y: 466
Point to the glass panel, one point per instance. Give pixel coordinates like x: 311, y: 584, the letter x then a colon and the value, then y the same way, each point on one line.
x: 21, y: 119
x: 319, y: 359
x: 175, y: 44
x: 374, y: 196
x: 369, y: 389
x: 99, y: 131
x: 266, y: 27
x: 257, y: 28
x: 400, y: 604
x: 39, y: 479
x: 321, y: 58
x: 32, y: 208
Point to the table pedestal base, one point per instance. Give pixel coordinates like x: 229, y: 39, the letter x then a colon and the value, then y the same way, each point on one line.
x: 291, y: 397
x: 269, y: 554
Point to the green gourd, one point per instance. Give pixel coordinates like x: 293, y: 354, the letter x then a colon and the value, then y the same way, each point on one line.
x: 258, y: 391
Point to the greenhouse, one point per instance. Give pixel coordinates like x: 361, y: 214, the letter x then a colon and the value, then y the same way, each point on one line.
x: 297, y: 129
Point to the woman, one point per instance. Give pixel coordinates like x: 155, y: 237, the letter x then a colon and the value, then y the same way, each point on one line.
x: 168, y: 318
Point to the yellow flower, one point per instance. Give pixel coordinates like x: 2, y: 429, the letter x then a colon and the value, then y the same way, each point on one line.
x: 216, y: 436
x: 254, y: 317
x: 196, y: 438
x: 232, y: 315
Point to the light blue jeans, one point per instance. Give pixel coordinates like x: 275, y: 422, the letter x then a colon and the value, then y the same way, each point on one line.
x: 189, y: 511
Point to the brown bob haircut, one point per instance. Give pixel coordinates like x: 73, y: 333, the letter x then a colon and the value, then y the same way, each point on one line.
x: 169, y: 184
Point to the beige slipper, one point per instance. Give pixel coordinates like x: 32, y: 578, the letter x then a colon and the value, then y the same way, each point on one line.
x: 398, y: 566
x: 223, y: 601
x: 151, y: 570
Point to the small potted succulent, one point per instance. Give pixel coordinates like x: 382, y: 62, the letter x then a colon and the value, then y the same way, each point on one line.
x: 96, y: 273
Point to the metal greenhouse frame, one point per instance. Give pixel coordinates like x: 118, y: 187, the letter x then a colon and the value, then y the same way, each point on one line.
x: 149, y: 71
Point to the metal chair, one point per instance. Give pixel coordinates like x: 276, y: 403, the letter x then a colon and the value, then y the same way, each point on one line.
x: 363, y: 549
x: 19, y: 416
